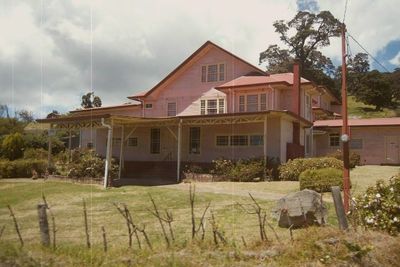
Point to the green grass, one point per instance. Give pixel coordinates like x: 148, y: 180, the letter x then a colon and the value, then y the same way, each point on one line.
x: 361, y: 110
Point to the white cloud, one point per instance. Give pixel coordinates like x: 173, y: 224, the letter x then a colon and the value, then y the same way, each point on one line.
x: 395, y: 60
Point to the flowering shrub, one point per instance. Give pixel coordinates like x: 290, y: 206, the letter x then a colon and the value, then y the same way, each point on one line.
x: 379, y: 207
x: 291, y: 170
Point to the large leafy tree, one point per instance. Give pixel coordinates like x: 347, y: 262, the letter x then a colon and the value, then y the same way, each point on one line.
x: 302, y: 37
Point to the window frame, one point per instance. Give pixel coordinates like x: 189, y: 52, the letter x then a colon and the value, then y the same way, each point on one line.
x: 336, y: 143
x: 155, y: 147
x: 204, y: 106
x: 248, y: 137
x: 220, y: 74
x: 175, y: 111
x: 262, y: 101
x: 148, y: 105
x: 196, y: 141
x: 129, y: 144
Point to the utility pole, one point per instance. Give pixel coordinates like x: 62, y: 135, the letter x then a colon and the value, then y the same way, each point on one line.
x: 345, y: 128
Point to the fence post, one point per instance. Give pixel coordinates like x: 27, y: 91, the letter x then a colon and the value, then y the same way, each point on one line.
x: 43, y: 225
x: 340, y: 213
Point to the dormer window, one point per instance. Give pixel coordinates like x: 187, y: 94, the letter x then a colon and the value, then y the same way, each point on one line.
x: 212, y: 106
x: 213, y: 73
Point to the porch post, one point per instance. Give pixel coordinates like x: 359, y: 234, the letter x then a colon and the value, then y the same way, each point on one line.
x: 265, y: 145
x: 121, y: 151
x: 108, y: 152
x: 178, y: 158
x: 69, y: 146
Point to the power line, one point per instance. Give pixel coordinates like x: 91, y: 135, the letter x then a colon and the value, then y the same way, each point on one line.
x: 376, y: 61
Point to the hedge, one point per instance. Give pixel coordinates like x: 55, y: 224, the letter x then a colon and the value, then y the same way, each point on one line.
x: 22, y: 168
x: 291, y: 170
x: 321, y: 180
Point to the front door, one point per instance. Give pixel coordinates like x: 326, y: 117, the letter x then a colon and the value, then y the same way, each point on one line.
x: 392, y: 149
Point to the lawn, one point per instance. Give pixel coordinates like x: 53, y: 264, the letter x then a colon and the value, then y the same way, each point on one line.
x: 66, y: 198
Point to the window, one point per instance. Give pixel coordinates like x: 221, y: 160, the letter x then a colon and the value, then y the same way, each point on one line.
x: 194, y: 140
x: 263, y: 102
x: 89, y: 145
x: 241, y: 104
x: 203, y: 74
x: 155, y: 141
x: 213, y: 73
x: 132, y: 141
x: 334, y: 139
x: 221, y: 105
x: 202, y: 107
x: 356, y: 143
x: 149, y: 106
x: 222, y: 140
x: 171, y: 109
x: 256, y: 140
x: 212, y: 106
x: 252, y: 103
x: 239, y: 140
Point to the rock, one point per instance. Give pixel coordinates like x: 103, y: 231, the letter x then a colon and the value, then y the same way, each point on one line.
x: 301, y: 209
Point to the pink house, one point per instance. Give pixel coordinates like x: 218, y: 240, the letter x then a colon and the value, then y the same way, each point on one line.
x: 213, y: 105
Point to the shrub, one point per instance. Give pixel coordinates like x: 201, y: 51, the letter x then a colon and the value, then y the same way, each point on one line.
x: 35, y: 153
x: 291, y: 170
x: 321, y: 180
x: 379, y: 207
x: 13, y: 146
x: 354, y: 158
x: 89, y: 164
x: 245, y: 170
x: 42, y: 141
x: 22, y: 168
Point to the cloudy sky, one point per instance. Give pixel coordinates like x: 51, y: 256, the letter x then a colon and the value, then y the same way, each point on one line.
x: 52, y: 52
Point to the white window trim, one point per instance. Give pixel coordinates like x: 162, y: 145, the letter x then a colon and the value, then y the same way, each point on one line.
x: 229, y: 140
x: 218, y: 106
x: 145, y: 105
x: 218, y: 73
x: 176, y: 108
x: 267, y: 96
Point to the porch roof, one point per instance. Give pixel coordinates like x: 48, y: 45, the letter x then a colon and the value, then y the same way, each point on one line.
x: 360, y: 122
x: 85, y: 121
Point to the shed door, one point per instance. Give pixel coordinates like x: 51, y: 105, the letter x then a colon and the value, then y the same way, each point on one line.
x: 392, y: 149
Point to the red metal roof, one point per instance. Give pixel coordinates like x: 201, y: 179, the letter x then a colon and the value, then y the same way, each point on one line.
x: 106, y: 107
x: 360, y: 122
x: 286, y: 78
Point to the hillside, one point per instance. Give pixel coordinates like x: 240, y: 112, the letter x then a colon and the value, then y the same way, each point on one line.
x: 361, y: 110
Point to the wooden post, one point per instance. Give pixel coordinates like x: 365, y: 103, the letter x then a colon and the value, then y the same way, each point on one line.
x: 104, y: 239
x: 178, y: 160
x: 69, y: 145
x: 340, y: 211
x: 86, y: 224
x: 121, y: 151
x: 43, y: 225
x: 16, y: 225
x: 265, y: 146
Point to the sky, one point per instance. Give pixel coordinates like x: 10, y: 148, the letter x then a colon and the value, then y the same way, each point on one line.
x: 54, y: 51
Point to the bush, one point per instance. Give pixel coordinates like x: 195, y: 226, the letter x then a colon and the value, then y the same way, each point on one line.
x: 245, y: 170
x: 35, y: 153
x: 87, y: 164
x: 321, y: 180
x: 42, y: 141
x: 291, y: 170
x: 13, y: 146
x: 22, y: 168
x: 354, y: 158
x: 379, y: 207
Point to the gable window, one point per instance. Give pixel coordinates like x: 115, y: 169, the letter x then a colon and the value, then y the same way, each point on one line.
x: 148, y: 106
x: 171, y: 109
x: 213, y: 73
x: 155, y: 141
x: 194, y: 140
x: 212, y: 106
x: 334, y: 140
x: 132, y: 141
x: 222, y: 140
x: 239, y: 140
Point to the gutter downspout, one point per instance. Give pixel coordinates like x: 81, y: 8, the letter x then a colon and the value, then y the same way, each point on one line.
x: 141, y: 101
x: 108, y: 154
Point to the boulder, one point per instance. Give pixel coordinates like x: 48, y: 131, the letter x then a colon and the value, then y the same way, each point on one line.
x: 301, y: 209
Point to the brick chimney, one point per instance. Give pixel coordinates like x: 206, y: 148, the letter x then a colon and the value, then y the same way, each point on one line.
x: 296, y: 88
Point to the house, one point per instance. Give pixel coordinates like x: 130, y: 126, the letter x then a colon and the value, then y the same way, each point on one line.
x: 213, y: 105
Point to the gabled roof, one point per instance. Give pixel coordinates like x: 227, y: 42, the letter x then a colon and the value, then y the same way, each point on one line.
x: 360, y: 122
x: 192, y: 56
x: 280, y: 78
x: 126, y: 105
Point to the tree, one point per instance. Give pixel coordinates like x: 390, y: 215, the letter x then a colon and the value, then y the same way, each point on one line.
x: 89, y: 100
x: 53, y: 114
x: 4, y: 111
x: 13, y: 146
x: 303, y: 36
x: 25, y: 116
